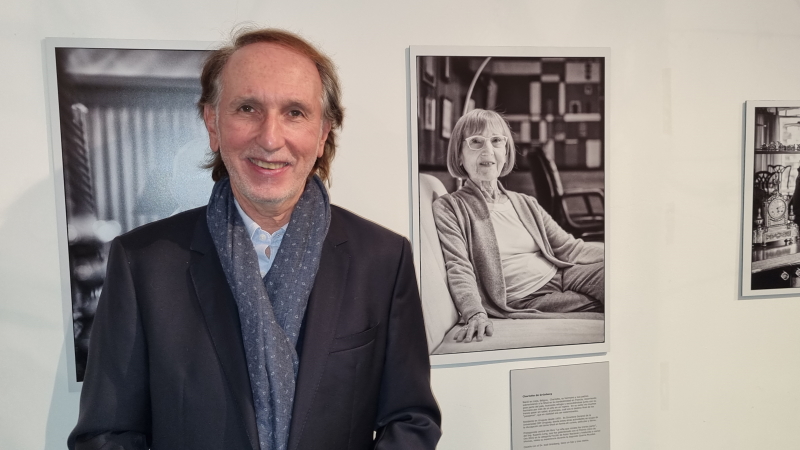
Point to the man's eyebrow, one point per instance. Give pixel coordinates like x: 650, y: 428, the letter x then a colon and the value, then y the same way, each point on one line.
x: 241, y: 100
x: 289, y: 103
x: 293, y: 103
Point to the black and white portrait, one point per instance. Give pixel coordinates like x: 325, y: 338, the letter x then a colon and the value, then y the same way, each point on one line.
x: 770, y: 257
x: 509, y: 200
x: 131, y: 147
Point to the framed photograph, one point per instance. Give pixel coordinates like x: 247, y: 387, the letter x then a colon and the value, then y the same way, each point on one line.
x: 771, y: 201
x: 429, y: 122
x: 128, y: 148
x: 447, y: 117
x: 429, y: 70
x: 537, y: 123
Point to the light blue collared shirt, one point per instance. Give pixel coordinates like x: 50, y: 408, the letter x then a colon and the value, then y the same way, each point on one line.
x: 262, y: 240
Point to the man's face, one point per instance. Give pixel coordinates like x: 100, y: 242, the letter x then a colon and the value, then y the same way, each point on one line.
x: 268, y: 125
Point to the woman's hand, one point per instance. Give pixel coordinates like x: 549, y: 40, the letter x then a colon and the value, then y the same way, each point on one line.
x: 478, y: 326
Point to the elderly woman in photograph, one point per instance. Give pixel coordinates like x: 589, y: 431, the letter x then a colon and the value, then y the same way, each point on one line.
x: 505, y: 256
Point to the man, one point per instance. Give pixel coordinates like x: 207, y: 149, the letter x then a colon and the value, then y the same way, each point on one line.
x: 193, y: 349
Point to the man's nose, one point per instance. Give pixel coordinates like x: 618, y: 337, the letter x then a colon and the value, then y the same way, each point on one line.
x: 271, y: 133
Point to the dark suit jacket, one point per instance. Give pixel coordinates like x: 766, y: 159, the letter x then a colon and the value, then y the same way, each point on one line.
x: 167, y: 365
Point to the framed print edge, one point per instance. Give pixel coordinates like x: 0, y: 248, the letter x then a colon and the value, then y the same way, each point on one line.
x: 609, y: 192
x: 746, y: 290
x: 51, y: 43
x: 413, y: 85
x: 507, y: 51
x: 747, y: 199
x: 413, y: 113
x: 56, y: 160
x: 513, y: 354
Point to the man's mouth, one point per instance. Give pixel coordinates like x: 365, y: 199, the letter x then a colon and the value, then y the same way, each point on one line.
x: 268, y: 165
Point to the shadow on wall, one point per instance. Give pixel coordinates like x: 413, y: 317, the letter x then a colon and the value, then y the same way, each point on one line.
x: 63, y: 413
x: 32, y: 324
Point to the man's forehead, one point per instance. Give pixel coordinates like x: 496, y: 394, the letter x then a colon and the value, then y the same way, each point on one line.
x: 269, y: 57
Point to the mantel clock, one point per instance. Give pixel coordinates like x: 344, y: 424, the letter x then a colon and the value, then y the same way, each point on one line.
x: 775, y: 222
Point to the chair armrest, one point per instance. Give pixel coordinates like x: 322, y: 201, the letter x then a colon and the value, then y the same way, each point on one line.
x: 586, y: 194
x: 575, y: 192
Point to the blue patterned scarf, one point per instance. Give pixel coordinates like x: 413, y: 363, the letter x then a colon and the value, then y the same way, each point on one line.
x: 271, y: 309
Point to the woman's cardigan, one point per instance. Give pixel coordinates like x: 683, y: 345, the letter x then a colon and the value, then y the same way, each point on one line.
x: 472, y: 258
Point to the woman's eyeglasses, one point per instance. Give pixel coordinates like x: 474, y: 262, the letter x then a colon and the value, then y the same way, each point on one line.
x: 478, y: 142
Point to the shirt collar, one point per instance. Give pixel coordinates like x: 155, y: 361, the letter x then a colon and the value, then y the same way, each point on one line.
x: 251, y: 226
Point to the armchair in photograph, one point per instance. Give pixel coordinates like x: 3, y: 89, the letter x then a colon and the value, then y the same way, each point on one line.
x: 579, y: 211
x: 442, y: 318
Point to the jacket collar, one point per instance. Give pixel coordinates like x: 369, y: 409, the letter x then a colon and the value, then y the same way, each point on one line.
x: 476, y: 198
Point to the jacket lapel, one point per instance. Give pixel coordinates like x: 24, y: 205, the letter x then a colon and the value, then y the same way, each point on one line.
x: 528, y: 212
x: 530, y: 221
x: 485, y: 252
x: 320, y: 329
x: 222, y: 319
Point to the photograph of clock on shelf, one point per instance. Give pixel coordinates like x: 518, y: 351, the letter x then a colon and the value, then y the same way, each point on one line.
x: 771, y: 207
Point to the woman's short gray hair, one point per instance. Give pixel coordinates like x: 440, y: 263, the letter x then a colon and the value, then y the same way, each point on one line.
x: 470, y: 124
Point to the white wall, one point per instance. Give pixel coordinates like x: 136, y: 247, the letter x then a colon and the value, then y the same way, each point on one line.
x: 692, y: 367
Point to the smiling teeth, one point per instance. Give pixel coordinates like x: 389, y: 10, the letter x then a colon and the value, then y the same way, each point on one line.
x: 267, y: 165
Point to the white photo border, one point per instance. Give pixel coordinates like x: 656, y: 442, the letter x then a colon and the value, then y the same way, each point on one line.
x: 413, y: 87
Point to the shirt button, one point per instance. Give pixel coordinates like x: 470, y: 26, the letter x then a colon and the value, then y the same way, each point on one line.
x: 262, y: 237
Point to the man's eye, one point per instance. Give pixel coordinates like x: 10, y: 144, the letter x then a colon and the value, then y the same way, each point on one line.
x: 246, y: 108
x: 296, y: 113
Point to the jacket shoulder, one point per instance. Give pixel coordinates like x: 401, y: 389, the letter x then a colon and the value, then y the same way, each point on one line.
x: 445, y: 206
x: 445, y: 198
x: 177, y: 229
x: 452, y: 199
x: 350, y: 227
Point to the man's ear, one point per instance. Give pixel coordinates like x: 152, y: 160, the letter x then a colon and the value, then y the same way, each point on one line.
x: 326, y: 128
x: 210, y: 119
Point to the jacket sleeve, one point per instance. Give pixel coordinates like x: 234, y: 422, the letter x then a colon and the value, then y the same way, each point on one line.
x: 408, y: 416
x: 565, y: 246
x: 115, y: 398
x: 461, y: 277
